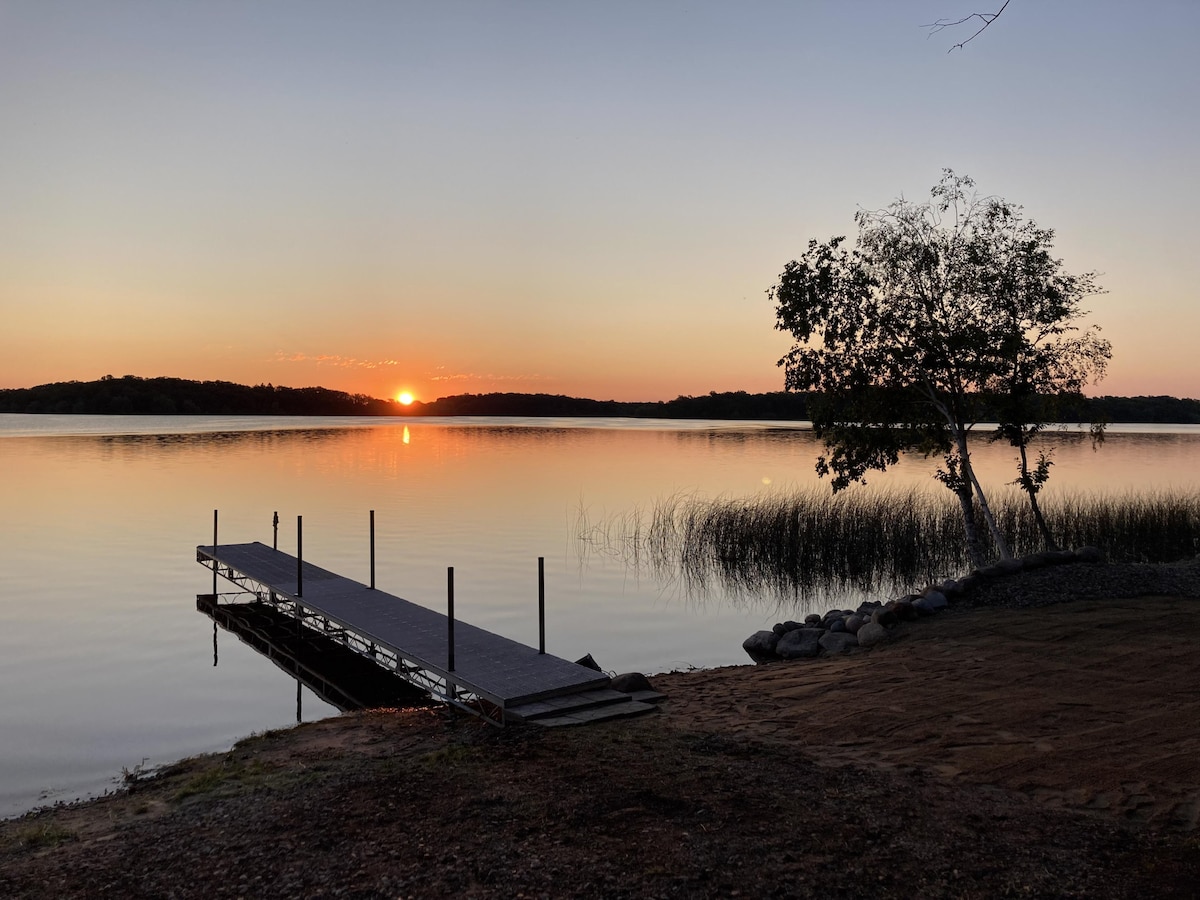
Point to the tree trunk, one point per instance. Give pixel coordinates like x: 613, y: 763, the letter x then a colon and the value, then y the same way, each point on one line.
x: 1029, y: 488
x: 959, y: 430
x: 960, y: 437
x: 974, y: 551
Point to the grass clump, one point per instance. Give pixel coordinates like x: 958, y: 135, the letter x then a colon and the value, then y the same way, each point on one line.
x: 1159, y: 526
x: 40, y: 836
x: 816, y: 544
x: 451, y: 754
x: 226, y: 776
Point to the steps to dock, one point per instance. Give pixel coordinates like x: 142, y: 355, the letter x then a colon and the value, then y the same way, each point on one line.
x: 583, y: 707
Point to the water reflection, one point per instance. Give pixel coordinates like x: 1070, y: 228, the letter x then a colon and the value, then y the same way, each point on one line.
x: 98, y: 530
x: 335, y: 674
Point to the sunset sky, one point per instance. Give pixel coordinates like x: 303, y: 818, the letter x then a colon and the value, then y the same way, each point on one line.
x: 579, y: 198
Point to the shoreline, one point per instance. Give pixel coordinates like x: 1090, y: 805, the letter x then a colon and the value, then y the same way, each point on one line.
x: 1047, y: 748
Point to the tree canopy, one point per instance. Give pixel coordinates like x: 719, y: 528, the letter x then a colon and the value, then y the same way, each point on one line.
x: 939, y: 306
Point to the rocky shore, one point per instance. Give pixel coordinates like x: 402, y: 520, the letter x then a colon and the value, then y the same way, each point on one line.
x: 1046, y: 578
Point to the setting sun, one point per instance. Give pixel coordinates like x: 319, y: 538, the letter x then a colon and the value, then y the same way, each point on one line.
x: 404, y: 397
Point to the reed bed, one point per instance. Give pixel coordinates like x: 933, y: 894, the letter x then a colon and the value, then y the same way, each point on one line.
x: 813, y: 544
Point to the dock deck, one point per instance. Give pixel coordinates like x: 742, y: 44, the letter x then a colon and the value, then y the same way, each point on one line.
x: 493, y: 676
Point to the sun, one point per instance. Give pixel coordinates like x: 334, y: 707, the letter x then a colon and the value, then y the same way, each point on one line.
x: 404, y: 398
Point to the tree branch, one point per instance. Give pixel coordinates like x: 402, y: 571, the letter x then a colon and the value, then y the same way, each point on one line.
x: 986, y: 18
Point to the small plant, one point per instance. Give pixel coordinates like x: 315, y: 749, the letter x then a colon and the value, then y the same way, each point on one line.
x: 136, y: 774
x: 226, y: 774
x: 50, y: 834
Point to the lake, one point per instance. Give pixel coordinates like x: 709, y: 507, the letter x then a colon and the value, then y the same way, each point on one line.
x: 105, y: 663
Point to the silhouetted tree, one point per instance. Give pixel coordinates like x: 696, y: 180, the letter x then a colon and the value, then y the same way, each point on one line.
x: 1048, y: 358
x: 940, y: 305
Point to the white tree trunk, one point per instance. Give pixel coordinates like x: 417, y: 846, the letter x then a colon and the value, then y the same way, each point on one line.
x: 966, y: 502
x: 960, y: 437
x: 960, y: 441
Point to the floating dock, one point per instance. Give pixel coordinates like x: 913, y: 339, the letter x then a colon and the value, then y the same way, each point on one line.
x: 455, y: 662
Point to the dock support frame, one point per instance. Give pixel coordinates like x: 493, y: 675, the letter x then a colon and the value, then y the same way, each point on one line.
x: 438, y: 683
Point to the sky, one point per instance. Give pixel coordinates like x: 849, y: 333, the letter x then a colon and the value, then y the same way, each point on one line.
x: 575, y: 198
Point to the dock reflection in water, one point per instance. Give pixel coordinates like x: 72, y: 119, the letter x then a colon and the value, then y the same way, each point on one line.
x: 334, y: 673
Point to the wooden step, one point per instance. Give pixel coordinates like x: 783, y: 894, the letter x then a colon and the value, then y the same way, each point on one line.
x: 595, y: 714
x: 564, y: 703
x: 647, y: 696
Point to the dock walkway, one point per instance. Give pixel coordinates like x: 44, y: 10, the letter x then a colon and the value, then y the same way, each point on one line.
x: 500, y: 679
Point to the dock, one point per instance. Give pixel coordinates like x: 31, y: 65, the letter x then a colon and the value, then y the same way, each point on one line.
x: 468, y: 667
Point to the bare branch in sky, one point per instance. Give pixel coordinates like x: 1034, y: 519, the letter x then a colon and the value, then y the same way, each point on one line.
x: 986, y: 18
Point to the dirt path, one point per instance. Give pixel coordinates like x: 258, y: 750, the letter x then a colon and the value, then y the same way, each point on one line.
x: 1092, y: 704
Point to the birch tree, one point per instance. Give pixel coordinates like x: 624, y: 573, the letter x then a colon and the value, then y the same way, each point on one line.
x: 909, y: 336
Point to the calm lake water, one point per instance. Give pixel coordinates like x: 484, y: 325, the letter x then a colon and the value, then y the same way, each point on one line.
x: 105, y: 662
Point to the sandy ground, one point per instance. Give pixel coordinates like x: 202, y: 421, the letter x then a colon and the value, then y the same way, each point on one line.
x: 1092, y: 704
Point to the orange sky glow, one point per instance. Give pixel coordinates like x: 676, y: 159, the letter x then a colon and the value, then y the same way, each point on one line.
x: 588, y: 200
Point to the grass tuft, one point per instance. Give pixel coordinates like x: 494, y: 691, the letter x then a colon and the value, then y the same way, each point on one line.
x: 225, y: 776
x: 813, y: 544
x: 36, y: 837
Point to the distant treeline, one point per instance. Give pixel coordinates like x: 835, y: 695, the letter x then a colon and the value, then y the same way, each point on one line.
x: 132, y: 395
x: 778, y: 406
x: 176, y: 396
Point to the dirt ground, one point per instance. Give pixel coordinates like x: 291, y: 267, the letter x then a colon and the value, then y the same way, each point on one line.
x: 1048, y: 752
x: 1090, y: 705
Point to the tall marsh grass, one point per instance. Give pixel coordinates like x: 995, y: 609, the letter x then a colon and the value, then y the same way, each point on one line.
x: 812, y: 543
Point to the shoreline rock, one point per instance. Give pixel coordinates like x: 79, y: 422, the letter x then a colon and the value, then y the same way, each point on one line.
x: 872, y: 623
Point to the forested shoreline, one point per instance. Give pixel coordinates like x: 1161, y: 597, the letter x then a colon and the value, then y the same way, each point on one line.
x: 133, y: 395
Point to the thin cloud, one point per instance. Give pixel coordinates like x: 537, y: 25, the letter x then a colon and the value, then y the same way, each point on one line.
x: 333, y: 359
x: 489, y: 378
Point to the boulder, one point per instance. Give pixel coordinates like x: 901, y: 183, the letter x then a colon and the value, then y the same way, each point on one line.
x: 837, y: 626
x: 904, y: 609
x: 871, y: 634
x: 1035, y: 561
x: 812, y: 619
x: 838, y: 642
x: 950, y: 588
x: 884, y: 617
x: 936, y: 599
x: 1010, y: 566
x: 800, y: 644
x: 923, y: 607
x: 630, y: 683
x: 987, y: 572
x: 761, y: 645
x: 854, y: 622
